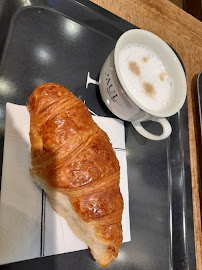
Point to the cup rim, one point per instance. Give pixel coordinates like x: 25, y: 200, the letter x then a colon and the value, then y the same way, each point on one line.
x: 169, y: 51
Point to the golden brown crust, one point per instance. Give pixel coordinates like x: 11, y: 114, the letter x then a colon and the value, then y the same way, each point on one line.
x: 75, y: 157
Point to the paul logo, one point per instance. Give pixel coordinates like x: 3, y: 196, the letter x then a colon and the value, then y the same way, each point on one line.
x: 109, y: 86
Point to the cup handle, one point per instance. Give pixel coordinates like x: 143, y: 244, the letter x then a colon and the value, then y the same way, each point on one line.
x: 162, y: 121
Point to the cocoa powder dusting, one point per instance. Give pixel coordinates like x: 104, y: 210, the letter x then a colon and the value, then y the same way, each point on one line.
x: 145, y: 59
x: 161, y: 76
x: 149, y: 89
x: 134, y: 67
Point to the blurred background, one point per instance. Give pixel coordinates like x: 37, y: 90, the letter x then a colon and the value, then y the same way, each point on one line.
x: 192, y: 7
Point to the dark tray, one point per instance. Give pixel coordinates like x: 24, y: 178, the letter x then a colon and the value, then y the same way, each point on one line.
x: 44, y: 45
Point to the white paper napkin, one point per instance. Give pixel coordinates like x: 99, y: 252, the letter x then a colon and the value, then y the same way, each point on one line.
x: 29, y: 227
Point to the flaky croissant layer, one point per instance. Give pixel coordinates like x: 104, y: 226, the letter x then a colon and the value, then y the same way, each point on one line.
x: 74, y: 162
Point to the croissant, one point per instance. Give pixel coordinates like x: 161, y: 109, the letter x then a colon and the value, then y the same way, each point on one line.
x: 74, y: 163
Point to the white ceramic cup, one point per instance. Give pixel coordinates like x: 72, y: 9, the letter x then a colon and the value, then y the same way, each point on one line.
x: 122, y: 103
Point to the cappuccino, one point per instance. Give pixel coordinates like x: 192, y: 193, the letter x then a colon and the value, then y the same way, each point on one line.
x: 145, y: 77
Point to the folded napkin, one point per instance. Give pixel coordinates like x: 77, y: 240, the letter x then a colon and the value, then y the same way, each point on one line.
x: 29, y: 227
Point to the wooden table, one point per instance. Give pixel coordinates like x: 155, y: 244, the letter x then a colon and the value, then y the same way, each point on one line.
x: 184, y: 33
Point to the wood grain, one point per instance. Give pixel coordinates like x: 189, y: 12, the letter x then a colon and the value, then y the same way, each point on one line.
x: 184, y: 33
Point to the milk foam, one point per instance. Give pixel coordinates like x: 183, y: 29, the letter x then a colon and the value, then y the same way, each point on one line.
x: 145, y: 77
